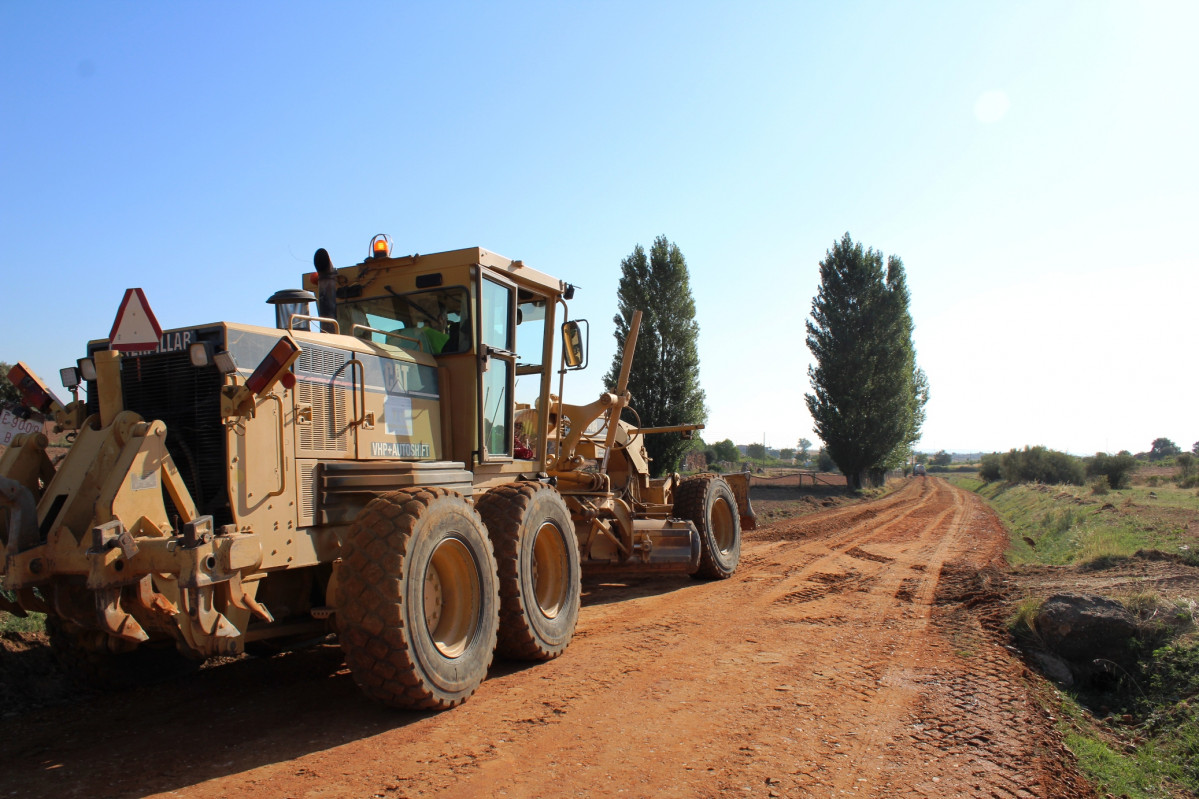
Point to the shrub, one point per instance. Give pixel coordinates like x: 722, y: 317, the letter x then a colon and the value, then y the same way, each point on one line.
x: 1173, y: 672
x: 1042, y: 465
x: 1117, y: 468
x: 1099, y: 485
x: 990, y: 469
x: 1186, y: 470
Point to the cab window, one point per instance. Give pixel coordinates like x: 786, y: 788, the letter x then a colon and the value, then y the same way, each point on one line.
x: 436, y: 321
x: 497, y: 337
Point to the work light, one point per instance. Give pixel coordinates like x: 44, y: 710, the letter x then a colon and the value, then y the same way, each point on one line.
x: 87, y: 368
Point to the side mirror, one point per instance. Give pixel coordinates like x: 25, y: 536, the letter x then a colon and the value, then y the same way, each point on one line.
x: 574, y: 343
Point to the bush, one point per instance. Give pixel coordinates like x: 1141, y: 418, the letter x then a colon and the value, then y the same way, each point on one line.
x: 727, y: 451
x: 989, y: 469
x: 1186, y: 470
x: 1117, y: 469
x: 1099, y: 485
x: 1042, y: 465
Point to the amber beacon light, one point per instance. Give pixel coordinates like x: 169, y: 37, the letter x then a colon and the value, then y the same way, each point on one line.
x: 381, y: 246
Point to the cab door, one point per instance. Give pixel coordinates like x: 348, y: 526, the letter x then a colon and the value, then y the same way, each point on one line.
x: 497, y: 367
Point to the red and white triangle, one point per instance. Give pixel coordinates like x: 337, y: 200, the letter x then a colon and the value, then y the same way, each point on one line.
x: 135, y: 328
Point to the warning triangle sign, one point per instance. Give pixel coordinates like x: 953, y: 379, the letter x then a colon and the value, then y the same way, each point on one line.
x: 135, y: 328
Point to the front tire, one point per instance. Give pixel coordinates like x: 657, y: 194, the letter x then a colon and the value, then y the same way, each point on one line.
x: 708, y: 502
x: 417, y: 601
x: 538, y: 559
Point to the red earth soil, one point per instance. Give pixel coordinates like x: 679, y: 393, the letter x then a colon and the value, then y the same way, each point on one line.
x: 846, y: 657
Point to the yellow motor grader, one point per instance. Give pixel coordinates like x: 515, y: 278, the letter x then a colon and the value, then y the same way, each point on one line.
x: 396, y: 469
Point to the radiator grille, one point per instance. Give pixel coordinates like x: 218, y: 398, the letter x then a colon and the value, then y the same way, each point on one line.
x: 187, y: 399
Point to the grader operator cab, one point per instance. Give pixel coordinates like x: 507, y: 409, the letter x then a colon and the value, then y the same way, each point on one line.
x: 396, y: 469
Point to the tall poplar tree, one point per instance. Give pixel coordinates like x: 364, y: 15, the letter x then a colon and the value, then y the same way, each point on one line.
x: 868, y: 393
x: 664, y: 379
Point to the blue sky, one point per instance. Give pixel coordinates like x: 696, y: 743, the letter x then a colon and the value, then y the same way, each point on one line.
x: 1034, y: 164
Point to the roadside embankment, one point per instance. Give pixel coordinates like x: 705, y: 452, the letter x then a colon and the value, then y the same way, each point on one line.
x: 1106, y: 605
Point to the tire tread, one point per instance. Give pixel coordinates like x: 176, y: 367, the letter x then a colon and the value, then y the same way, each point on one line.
x: 371, y: 620
x: 503, y: 510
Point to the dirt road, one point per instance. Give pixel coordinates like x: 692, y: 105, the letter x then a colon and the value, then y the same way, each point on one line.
x: 843, y: 658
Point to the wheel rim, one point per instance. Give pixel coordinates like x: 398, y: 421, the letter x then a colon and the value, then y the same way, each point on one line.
x: 452, y: 594
x: 724, y: 530
x: 551, y: 572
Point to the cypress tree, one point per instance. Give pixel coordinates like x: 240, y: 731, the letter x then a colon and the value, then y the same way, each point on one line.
x: 664, y: 379
x: 868, y: 393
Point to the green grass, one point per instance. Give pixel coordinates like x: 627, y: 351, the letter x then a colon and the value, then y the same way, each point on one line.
x: 1142, y: 773
x: 32, y: 623
x: 1069, y: 524
x: 970, y: 482
x: 1152, y: 760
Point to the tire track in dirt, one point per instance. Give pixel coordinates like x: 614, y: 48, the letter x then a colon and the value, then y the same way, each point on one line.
x: 876, y: 618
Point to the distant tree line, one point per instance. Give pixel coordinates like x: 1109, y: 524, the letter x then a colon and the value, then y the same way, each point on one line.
x: 726, y: 452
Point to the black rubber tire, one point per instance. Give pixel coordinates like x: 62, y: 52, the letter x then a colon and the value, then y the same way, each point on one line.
x: 539, y: 604
x: 708, y: 502
x: 402, y: 543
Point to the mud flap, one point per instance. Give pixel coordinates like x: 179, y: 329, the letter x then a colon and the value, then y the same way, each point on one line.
x: 739, y: 482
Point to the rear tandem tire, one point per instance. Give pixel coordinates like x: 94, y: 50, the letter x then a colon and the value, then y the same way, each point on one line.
x: 417, y: 601
x: 708, y: 502
x: 538, y: 558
